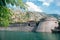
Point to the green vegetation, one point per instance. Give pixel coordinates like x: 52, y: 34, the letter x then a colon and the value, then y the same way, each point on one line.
x: 19, y: 16
x: 5, y: 13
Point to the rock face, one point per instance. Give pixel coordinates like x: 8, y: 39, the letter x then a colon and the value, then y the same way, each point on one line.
x: 19, y: 16
x: 47, y: 24
x: 25, y: 27
x: 36, y: 16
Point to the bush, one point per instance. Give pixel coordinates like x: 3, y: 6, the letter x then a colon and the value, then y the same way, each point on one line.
x: 5, y: 15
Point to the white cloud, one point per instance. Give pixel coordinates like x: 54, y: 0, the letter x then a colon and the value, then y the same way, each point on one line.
x: 32, y: 0
x: 46, y: 2
x: 33, y: 7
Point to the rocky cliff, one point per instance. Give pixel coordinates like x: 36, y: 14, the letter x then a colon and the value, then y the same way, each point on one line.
x: 19, y: 16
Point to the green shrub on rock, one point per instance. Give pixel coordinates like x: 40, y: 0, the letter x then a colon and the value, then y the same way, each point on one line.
x: 4, y: 16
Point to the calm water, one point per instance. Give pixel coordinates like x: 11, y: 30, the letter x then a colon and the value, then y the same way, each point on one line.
x: 9, y: 35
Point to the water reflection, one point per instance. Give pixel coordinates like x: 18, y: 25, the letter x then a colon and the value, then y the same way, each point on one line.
x: 8, y: 35
x: 49, y: 36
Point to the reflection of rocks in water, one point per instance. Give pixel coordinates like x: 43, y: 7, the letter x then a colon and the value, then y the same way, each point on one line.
x: 47, y: 24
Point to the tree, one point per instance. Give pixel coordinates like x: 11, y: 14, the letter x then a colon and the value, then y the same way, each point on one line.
x: 5, y: 13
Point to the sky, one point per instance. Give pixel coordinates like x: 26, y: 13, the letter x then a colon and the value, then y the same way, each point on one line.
x: 47, y: 6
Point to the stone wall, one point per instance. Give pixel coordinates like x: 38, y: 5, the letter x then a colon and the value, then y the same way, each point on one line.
x: 20, y: 27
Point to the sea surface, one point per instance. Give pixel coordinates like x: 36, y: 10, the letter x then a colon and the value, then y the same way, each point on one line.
x: 17, y: 35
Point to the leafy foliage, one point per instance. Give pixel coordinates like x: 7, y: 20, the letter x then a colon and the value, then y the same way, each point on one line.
x: 5, y: 15
x: 16, y: 2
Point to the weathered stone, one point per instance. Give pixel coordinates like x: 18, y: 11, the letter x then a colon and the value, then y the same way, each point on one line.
x: 47, y: 24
